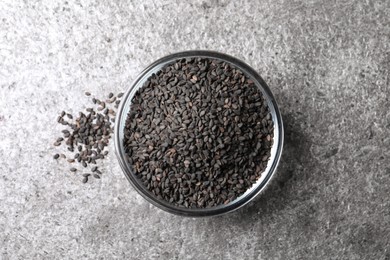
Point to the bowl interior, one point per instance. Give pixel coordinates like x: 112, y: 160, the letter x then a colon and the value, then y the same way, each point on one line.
x: 250, y: 193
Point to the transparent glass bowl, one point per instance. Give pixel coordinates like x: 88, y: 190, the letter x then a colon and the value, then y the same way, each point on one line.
x: 251, y: 193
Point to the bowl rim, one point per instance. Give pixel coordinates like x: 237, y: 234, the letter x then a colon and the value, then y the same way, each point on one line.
x: 251, y: 193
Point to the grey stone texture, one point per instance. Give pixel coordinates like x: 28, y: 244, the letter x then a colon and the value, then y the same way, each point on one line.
x: 327, y: 63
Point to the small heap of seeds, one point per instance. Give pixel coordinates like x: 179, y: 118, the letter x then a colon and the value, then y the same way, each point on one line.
x: 88, y: 134
x: 199, y: 133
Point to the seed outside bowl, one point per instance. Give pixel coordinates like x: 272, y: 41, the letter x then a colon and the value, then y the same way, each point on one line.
x: 251, y: 193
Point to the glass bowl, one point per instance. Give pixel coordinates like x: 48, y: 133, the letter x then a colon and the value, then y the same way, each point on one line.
x: 251, y: 193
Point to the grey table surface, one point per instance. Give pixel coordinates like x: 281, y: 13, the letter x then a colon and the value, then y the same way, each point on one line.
x: 327, y: 63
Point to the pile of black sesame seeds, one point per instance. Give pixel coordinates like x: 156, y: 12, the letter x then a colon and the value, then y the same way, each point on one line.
x: 199, y: 133
x: 87, y: 135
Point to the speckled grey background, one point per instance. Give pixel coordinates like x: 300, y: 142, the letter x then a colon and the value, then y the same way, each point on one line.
x: 328, y: 64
